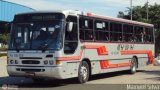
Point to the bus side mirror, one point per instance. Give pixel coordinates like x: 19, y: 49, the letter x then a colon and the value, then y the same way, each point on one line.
x: 70, y: 26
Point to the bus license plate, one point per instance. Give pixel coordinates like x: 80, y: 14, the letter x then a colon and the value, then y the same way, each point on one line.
x: 30, y: 73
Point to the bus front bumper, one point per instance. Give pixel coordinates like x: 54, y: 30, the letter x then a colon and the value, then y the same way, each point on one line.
x: 34, y: 72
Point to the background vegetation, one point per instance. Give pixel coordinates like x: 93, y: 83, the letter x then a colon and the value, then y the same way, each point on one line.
x: 4, y: 38
x: 4, y: 34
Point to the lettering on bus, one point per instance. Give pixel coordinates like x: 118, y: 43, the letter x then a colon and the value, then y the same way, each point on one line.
x: 125, y: 47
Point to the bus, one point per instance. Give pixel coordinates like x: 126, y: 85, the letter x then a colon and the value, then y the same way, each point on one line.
x: 70, y: 43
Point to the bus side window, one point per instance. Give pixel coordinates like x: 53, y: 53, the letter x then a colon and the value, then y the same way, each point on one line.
x: 71, y: 37
x: 149, y: 35
x: 101, y: 31
x: 116, y: 32
x: 128, y: 35
x: 139, y: 33
x: 86, y: 29
x: 81, y: 31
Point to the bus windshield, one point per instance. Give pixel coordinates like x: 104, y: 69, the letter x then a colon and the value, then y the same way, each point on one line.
x: 42, y: 35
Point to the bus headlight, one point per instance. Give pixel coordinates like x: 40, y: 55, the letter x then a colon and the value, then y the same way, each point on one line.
x: 51, y: 62
x: 11, y: 61
x: 16, y: 61
x: 45, y: 62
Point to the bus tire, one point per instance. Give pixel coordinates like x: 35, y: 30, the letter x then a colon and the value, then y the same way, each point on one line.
x: 83, y: 72
x: 133, y: 65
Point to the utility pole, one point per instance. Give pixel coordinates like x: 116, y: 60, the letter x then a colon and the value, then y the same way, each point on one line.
x: 147, y: 10
x: 131, y: 8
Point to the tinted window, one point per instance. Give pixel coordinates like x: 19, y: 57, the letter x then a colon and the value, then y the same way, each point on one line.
x: 149, y: 35
x: 86, y: 29
x: 139, y: 31
x: 101, y: 30
x: 116, y: 32
x: 128, y: 33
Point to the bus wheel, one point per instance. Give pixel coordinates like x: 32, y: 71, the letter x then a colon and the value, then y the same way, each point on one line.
x: 133, y: 66
x: 83, y: 72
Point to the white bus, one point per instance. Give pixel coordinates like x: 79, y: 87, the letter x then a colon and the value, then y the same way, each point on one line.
x: 70, y: 43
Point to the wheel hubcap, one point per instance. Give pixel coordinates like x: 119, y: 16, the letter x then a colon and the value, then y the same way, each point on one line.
x: 83, y: 72
x: 133, y: 66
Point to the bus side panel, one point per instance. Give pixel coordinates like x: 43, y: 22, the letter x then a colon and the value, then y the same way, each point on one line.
x: 112, y: 66
x: 115, y: 56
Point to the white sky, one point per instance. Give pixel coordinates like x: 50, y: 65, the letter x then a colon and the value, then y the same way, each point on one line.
x: 105, y: 7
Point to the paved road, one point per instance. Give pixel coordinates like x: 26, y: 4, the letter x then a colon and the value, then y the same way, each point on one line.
x: 148, y: 75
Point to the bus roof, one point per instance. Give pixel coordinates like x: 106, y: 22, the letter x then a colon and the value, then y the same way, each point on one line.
x: 38, y: 12
x: 118, y: 19
x: 66, y: 12
x: 76, y: 12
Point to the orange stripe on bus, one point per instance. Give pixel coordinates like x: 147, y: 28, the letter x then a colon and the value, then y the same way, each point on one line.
x: 91, y: 46
x: 148, y: 52
x: 105, y: 64
x: 70, y: 57
x: 101, y: 50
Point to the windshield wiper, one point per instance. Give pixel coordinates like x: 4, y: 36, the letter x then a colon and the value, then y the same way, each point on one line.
x: 15, y: 43
x: 43, y: 47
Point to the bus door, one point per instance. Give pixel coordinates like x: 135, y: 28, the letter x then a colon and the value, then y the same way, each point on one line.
x: 71, y: 48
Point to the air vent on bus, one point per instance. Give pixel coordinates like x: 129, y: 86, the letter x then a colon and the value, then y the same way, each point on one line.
x: 49, y: 56
x: 30, y: 62
x: 30, y: 70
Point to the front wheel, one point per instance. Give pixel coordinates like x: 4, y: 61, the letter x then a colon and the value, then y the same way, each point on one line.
x: 133, y: 66
x: 83, y: 72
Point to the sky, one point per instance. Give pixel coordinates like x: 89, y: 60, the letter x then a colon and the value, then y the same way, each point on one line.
x: 101, y: 7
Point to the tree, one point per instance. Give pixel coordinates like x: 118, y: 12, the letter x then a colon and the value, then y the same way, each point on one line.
x: 4, y: 32
x: 4, y: 38
x: 139, y: 13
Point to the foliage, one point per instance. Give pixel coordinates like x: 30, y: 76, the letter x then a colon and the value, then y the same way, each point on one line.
x: 4, y: 38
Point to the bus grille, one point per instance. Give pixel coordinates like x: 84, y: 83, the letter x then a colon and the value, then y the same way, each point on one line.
x: 30, y: 70
x: 30, y: 62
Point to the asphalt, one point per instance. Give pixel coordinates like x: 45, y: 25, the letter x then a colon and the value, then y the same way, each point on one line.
x: 149, y: 75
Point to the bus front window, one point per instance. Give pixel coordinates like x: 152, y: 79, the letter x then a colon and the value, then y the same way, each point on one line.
x: 37, y: 35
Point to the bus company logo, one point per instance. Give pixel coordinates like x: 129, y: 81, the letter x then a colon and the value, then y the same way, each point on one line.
x: 4, y: 86
x: 125, y: 47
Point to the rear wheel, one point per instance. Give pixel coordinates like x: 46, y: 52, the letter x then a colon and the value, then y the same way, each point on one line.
x: 83, y: 72
x: 133, y: 66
